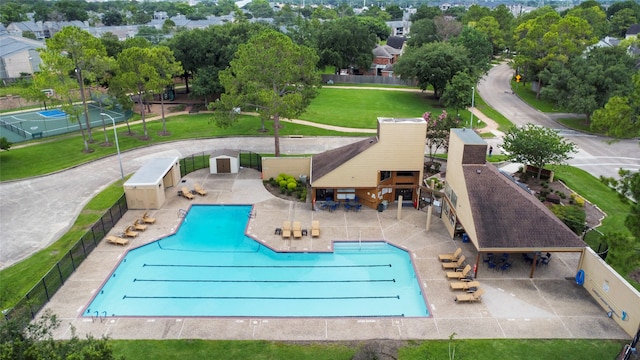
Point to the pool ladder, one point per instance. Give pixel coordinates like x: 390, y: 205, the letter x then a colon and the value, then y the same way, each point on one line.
x: 182, y: 213
x: 97, y: 316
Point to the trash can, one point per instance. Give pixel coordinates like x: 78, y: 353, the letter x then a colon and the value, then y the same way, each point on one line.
x: 380, y: 207
x: 465, y: 238
x: 385, y: 203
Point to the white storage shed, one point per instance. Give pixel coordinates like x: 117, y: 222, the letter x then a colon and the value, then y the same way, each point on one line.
x: 224, y: 161
x: 146, y: 188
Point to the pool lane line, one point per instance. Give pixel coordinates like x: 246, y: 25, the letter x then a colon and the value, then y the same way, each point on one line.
x: 269, y: 266
x: 264, y: 281
x: 262, y: 297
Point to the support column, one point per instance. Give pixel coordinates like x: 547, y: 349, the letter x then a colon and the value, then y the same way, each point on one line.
x: 399, y: 206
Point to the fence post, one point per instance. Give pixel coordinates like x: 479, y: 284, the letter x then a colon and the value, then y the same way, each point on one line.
x: 46, y: 291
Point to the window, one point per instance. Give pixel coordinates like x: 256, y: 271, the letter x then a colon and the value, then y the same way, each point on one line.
x: 405, y: 173
x: 384, y: 175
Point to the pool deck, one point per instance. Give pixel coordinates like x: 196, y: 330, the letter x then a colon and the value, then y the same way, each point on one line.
x: 548, y: 306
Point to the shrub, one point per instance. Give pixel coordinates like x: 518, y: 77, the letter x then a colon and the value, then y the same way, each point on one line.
x: 573, y: 216
x: 545, y: 185
x: 292, y: 186
x: 282, y: 183
x: 577, y: 199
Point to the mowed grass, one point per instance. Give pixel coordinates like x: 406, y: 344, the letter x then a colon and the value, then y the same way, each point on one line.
x: 513, y: 349
x: 67, y: 151
x: 361, y: 108
x: 226, y: 349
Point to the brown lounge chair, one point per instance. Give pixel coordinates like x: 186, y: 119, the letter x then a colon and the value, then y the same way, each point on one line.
x: 315, y: 228
x: 454, y: 265
x: 470, y: 297
x: 117, y: 240
x: 286, y: 229
x: 199, y: 190
x: 464, y: 285
x: 139, y: 225
x: 450, y: 257
x: 147, y: 219
x: 130, y: 232
x: 186, y: 193
x: 297, y: 230
x: 459, y: 274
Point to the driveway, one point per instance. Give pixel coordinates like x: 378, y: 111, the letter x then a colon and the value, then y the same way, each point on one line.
x: 596, y: 155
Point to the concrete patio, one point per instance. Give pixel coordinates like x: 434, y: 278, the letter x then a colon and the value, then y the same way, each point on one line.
x: 550, y: 305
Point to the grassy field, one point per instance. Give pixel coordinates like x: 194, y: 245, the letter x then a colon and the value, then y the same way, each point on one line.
x: 361, y: 108
x: 66, y: 151
x: 525, y: 93
x: 418, y: 350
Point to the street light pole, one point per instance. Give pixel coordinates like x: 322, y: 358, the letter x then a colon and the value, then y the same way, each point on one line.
x: 115, y: 134
x: 473, y: 98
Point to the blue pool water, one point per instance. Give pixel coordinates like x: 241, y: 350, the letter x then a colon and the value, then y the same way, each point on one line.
x: 210, y: 268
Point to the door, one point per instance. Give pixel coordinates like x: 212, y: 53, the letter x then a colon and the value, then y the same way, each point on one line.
x: 223, y: 166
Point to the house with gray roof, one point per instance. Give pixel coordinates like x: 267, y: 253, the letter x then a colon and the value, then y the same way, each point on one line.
x: 18, y: 56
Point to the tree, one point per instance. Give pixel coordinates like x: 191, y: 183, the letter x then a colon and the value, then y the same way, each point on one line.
x: 536, y: 145
x: 489, y: 26
x: 426, y: 12
x: 85, y: 51
x: 458, y: 92
x: 446, y: 27
x: 345, y: 43
x: 433, y: 64
x: 72, y: 9
x: 4, y: 143
x: 12, y: 12
x: 616, y: 119
x: 479, y: 48
x: 21, y: 339
x: 423, y: 31
x: 260, y: 9
x: 595, y: 16
x: 202, y: 61
x: 112, y: 44
x: 271, y: 74
x: 112, y: 18
x: 586, y: 83
x: 621, y: 21
x: 438, y: 130
x: 394, y: 11
x: 145, y: 70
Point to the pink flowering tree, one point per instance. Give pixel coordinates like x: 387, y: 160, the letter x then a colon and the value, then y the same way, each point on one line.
x: 438, y: 129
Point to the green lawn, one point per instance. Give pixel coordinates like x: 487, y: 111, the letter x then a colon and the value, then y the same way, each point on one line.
x: 529, y: 96
x: 225, y: 349
x: 418, y: 350
x: 361, y: 108
x: 66, y: 151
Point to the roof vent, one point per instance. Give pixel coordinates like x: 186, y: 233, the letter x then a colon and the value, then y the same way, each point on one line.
x: 478, y: 171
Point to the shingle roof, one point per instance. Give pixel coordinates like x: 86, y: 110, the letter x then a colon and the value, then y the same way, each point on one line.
x: 396, y: 42
x: 324, y: 163
x: 225, y: 152
x: 506, y: 216
x: 633, y: 29
x: 12, y: 44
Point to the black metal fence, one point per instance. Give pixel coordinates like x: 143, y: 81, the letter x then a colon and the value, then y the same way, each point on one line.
x: 44, y: 290
x: 365, y: 79
x: 199, y: 161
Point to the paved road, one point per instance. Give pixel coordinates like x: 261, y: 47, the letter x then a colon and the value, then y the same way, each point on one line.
x: 596, y: 155
x: 36, y: 212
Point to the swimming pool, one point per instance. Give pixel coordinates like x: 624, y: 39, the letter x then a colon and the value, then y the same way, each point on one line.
x: 211, y: 268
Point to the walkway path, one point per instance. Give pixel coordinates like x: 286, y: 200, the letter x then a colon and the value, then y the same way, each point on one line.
x: 38, y: 211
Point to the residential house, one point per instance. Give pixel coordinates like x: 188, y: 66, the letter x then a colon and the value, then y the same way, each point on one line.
x: 633, y: 31
x: 386, y: 55
x: 18, y: 56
